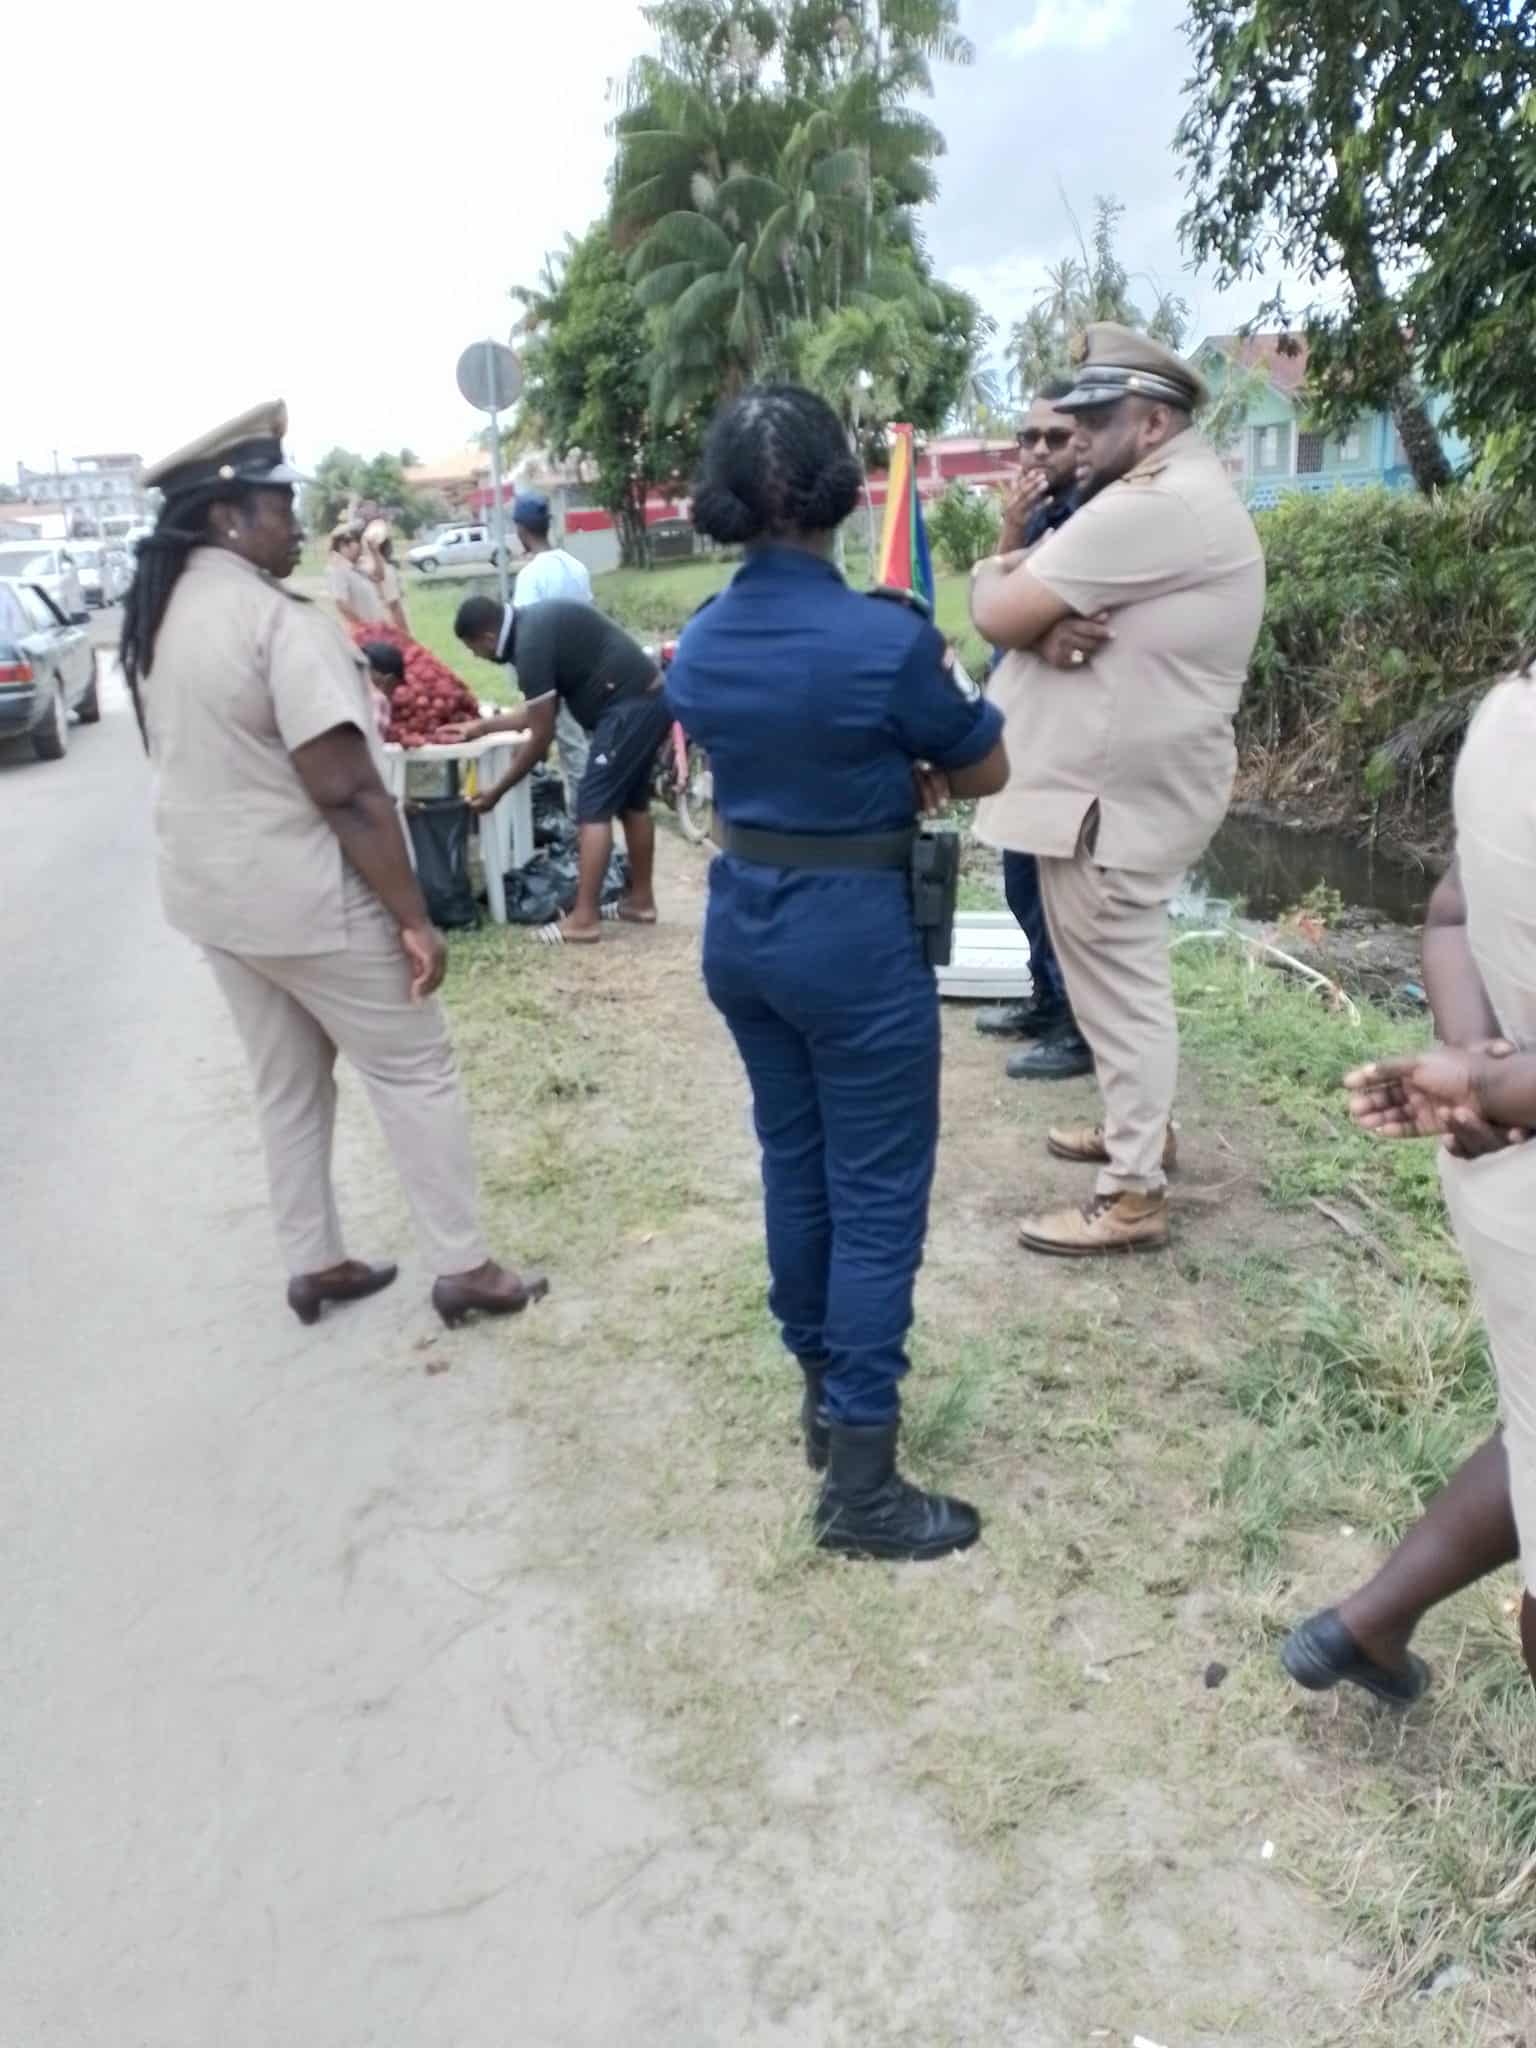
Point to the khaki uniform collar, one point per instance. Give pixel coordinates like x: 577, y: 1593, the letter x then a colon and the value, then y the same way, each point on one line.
x: 1191, y: 443
x: 223, y: 560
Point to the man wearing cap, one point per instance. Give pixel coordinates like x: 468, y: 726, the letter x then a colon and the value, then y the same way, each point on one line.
x: 1130, y: 631
x: 548, y: 572
x: 281, y: 854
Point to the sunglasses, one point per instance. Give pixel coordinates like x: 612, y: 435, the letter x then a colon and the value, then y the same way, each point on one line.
x: 1054, y: 438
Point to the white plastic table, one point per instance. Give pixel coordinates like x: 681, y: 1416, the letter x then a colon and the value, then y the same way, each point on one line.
x: 506, y: 834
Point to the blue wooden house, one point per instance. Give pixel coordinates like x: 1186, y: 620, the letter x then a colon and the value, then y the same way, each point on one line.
x: 1277, y: 448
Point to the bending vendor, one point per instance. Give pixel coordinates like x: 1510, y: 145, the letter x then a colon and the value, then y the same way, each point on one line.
x: 569, y: 654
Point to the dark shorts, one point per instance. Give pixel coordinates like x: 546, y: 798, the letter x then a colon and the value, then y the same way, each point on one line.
x: 624, y: 747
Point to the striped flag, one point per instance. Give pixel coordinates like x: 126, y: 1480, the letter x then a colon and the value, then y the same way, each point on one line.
x: 903, y: 561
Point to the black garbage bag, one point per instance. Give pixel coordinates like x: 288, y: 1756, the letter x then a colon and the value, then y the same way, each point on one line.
x: 616, y: 881
x: 537, y: 893
x: 552, y: 826
x: 439, y: 829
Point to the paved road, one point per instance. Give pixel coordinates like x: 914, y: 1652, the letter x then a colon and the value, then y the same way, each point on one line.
x: 287, y: 1751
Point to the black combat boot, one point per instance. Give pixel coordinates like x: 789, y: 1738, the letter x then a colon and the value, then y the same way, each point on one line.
x: 868, y: 1510
x: 1037, y: 1019
x: 813, y: 1414
x: 1064, y: 1056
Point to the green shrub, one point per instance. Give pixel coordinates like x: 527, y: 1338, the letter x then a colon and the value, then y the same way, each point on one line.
x: 1388, y: 615
x: 964, y: 526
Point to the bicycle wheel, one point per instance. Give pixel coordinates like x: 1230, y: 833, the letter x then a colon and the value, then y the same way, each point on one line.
x: 695, y: 799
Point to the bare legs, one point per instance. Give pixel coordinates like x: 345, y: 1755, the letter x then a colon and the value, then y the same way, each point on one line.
x: 595, y: 848
x: 1466, y: 1532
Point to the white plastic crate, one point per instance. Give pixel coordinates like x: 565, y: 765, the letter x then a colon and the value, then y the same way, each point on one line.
x: 990, y: 961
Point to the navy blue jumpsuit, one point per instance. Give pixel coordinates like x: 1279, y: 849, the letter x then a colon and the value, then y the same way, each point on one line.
x: 813, y: 702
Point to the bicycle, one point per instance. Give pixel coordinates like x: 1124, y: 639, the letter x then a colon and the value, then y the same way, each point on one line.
x: 681, y: 778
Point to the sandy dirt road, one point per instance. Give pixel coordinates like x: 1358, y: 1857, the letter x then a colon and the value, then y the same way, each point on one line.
x: 288, y: 1748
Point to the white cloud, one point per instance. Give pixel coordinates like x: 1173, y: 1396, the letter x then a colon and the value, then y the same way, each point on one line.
x: 1069, y: 25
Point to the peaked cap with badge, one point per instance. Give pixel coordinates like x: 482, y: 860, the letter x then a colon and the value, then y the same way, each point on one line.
x: 246, y: 450
x: 1111, y: 362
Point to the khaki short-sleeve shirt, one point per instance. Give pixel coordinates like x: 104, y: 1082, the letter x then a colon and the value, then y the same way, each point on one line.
x: 359, y: 593
x: 1144, y: 729
x: 243, y: 675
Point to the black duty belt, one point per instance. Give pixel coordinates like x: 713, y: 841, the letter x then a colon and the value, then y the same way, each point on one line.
x: 817, y: 851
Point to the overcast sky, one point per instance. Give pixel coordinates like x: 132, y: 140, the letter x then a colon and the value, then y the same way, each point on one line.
x: 211, y: 207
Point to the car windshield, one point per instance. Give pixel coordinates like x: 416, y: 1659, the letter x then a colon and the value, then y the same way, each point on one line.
x: 25, y: 562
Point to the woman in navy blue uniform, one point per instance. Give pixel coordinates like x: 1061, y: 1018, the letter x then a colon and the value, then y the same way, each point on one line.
x: 820, y: 709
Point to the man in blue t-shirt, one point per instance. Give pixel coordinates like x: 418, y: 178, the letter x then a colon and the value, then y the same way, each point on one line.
x: 1045, y: 498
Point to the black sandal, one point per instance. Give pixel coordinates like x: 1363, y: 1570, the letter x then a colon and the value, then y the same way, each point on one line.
x: 1320, y: 1653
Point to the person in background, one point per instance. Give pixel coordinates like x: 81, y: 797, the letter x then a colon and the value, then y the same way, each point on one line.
x: 1043, y: 501
x: 572, y: 654
x: 282, y: 856
x: 386, y: 672
x: 548, y: 571
x: 378, y: 565
x: 1476, y: 1093
x: 354, y: 594
x: 821, y: 709
x: 1127, y: 748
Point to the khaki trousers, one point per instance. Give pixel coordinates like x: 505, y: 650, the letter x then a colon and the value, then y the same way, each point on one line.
x: 293, y: 1015
x: 1110, y: 927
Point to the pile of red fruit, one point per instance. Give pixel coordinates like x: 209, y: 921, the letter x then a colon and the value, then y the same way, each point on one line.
x: 431, y: 696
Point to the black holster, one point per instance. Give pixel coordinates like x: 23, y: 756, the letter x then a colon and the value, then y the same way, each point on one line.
x: 935, y: 891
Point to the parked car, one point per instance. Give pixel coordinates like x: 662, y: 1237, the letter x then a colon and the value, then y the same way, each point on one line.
x: 47, y: 671
x: 456, y: 548
x: 105, y: 571
x: 52, y: 565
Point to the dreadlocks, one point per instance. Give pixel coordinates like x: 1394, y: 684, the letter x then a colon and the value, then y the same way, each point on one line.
x: 162, y: 555
x: 776, y: 461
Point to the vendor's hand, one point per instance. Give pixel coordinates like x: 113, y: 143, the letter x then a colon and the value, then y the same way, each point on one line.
x: 1022, y: 502
x: 931, y: 788
x: 456, y: 735
x: 485, y: 800
x: 1072, y: 643
x: 426, y: 956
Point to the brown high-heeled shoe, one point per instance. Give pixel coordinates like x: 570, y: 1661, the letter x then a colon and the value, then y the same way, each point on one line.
x: 353, y: 1281
x: 490, y: 1290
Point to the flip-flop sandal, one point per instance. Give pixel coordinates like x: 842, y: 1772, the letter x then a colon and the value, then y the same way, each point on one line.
x: 633, y: 916
x: 1320, y: 1653
x: 559, y: 934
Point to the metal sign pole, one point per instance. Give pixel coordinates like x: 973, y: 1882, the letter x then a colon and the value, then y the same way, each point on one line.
x: 498, y: 509
x: 489, y: 378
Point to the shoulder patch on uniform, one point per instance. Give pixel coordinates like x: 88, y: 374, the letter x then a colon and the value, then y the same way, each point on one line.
x: 960, y: 677
x: 891, y: 594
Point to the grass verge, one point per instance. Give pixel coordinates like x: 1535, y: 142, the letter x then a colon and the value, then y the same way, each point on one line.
x: 1365, y: 1387
x: 1167, y: 1460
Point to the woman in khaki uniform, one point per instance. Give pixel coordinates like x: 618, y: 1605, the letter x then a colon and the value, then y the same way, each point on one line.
x: 1476, y: 1092
x: 354, y: 593
x: 281, y: 854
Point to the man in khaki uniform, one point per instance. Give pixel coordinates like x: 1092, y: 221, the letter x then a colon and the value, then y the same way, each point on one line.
x: 1130, y: 633
x: 281, y: 853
